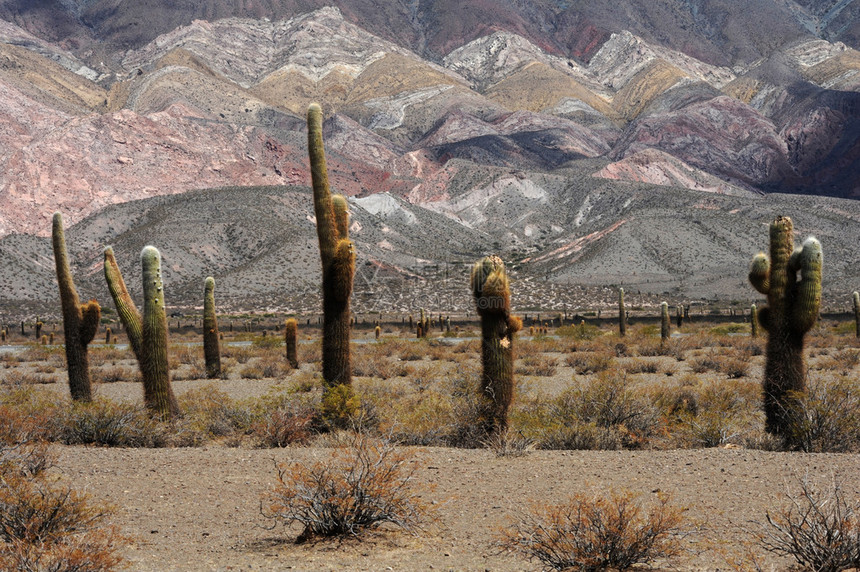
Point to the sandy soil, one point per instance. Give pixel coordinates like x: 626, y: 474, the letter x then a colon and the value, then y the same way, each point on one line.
x: 199, y: 509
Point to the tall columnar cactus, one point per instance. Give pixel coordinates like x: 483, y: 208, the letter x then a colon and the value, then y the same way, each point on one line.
x: 622, y: 314
x: 754, y: 321
x: 291, y: 334
x: 338, y: 260
x: 791, y: 279
x: 80, y: 321
x: 157, y: 392
x: 490, y: 287
x: 856, y: 297
x: 664, y: 322
x: 211, y: 342
x: 125, y: 308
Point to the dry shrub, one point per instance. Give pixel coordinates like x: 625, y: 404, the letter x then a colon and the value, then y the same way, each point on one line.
x: 251, y: 371
x: 828, y: 420
x: 592, y: 533
x: 640, y: 366
x: 48, y: 528
x: 509, y: 443
x: 413, y: 352
x: 372, y: 363
x: 44, y: 527
x: 239, y: 353
x: 820, y: 529
x: 603, y: 413
x: 704, y: 364
x: 842, y: 361
x: 539, y: 365
x: 18, y: 378
x: 358, y: 487
x: 105, y: 422
x: 310, y: 353
x: 587, y: 363
x: 211, y: 413
x: 113, y: 374
x: 285, y: 426
x: 711, y: 414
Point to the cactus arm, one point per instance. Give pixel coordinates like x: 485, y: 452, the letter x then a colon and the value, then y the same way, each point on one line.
x: 90, y: 315
x: 759, y: 275
x: 211, y: 343
x: 341, y: 215
x: 128, y: 313
x: 157, y: 391
x: 807, y: 298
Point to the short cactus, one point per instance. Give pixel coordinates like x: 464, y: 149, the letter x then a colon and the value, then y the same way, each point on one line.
x: 490, y: 288
x: 211, y: 341
x: 791, y: 280
x: 108, y: 336
x: 291, y: 334
x: 338, y: 260
x: 856, y: 297
x: 80, y: 321
x: 664, y: 322
x: 622, y: 314
x: 377, y: 331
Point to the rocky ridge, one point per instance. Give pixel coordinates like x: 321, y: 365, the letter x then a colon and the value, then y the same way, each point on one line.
x: 485, y: 134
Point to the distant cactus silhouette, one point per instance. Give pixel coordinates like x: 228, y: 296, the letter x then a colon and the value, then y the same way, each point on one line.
x: 791, y: 280
x: 856, y: 297
x: 291, y: 333
x: 622, y: 314
x: 754, y: 321
x: 664, y: 322
x: 80, y: 321
x: 211, y: 341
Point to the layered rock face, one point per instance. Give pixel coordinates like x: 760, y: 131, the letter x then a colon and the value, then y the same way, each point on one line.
x: 220, y: 102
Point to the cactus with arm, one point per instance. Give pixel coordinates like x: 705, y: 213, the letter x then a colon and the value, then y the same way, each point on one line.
x: 80, y: 321
x: 791, y: 311
x: 338, y: 260
x: 491, y: 290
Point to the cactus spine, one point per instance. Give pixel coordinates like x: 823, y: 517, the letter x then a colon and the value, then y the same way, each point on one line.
x: 338, y: 260
x: 157, y: 392
x: 490, y: 287
x: 291, y: 334
x: 791, y: 312
x: 856, y: 297
x: 622, y: 314
x: 80, y: 321
x: 664, y: 322
x: 211, y: 343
